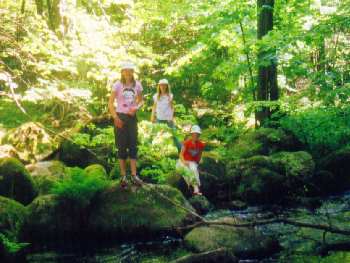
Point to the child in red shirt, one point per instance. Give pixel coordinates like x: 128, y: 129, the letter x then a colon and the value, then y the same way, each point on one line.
x: 190, y: 156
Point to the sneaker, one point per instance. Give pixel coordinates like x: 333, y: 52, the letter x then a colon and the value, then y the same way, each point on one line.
x: 136, y: 180
x: 123, y: 183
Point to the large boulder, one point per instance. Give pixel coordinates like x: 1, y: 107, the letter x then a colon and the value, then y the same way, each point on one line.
x: 242, y: 242
x: 263, y: 141
x: 145, y: 212
x: 255, y: 180
x: 73, y: 154
x: 338, y: 163
x: 201, y: 204
x: 263, y: 179
x: 113, y: 213
x: 50, y: 219
x: 15, y: 181
x: 46, y: 174
x: 12, y: 216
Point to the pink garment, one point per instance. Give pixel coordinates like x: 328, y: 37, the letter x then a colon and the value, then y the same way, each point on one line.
x: 126, y: 96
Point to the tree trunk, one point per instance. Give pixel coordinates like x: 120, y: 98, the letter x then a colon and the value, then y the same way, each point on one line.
x: 23, y: 6
x: 267, y: 88
x: 39, y: 6
x: 53, y: 8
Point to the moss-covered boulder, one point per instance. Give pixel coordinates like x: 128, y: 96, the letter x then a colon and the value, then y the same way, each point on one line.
x: 263, y: 179
x: 53, y: 168
x: 338, y: 163
x: 73, y: 154
x: 263, y: 141
x: 255, y: 180
x: 96, y: 170
x: 15, y: 181
x: 298, y: 170
x: 12, y: 216
x: 46, y: 174
x: 201, y: 204
x: 242, y: 242
x: 144, y: 212
x: 50, y: 219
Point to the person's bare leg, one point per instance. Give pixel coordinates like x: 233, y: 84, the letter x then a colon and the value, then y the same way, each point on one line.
x: 133, y: 167
x: 134, y: 176
x: 122, y: 166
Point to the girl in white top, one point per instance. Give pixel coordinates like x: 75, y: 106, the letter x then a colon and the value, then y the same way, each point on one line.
x: 163, y: 108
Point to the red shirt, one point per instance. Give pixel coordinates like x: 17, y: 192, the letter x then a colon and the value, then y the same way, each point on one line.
x: 193, y: 150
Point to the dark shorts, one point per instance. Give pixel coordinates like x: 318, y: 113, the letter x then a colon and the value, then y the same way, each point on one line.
x: 126, y: 137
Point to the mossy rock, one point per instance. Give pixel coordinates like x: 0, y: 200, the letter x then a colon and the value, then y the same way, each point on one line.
x: 96, y: 170
x: 140, y: 212
x: 298, y: 169
x: 201, y: 204
x: 338, y: 163
x: 295, y: 164
x: 15, y: 181
x: 265, y: 179
x: 50, y: 219
x: 262, y: 141
x: 46, y: 174
x: 12, y: 216
x: 73, y: 154
x: 242, y: 242
x: 254, y: 180
x: 52, y: 168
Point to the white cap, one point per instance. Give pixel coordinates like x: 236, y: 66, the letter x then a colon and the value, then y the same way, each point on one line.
x: 196, y: 129
x: 127, y: 65
x: 163, y: 81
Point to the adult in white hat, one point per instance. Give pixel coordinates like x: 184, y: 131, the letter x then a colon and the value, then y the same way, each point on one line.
x: 125, y: 100
x: 190, y: 156
x: 163, y: 107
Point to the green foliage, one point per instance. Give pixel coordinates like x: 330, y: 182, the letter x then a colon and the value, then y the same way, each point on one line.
x: 10, y: 246
x: 322, y: 129
x: 80, y: 187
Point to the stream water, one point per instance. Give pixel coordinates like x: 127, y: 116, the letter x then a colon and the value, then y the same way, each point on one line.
x: 299, y: 244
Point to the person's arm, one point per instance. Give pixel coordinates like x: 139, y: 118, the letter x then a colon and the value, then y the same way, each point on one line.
x: 117, y: 122
x: 181, y: 156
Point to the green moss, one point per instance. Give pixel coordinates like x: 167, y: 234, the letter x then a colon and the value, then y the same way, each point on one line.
x: 151, y: 208
x: 241, y: 241
x: 15, y: 181
x: 96, y: 170
x: 12, y: 215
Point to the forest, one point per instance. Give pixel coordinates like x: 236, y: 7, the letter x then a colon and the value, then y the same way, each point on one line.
x: 266, y: 81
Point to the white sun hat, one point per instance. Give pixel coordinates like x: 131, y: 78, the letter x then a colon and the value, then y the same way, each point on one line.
x: 127, y: 65
x: 163, y: 81
x: 196, y: 129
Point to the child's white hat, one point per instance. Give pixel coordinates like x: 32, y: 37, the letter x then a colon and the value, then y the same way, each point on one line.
x: 196, y: 129
x: 127, y: 65
x: 163, y: 81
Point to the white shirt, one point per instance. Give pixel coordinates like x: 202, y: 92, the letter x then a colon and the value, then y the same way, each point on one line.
x: 164, y: 110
